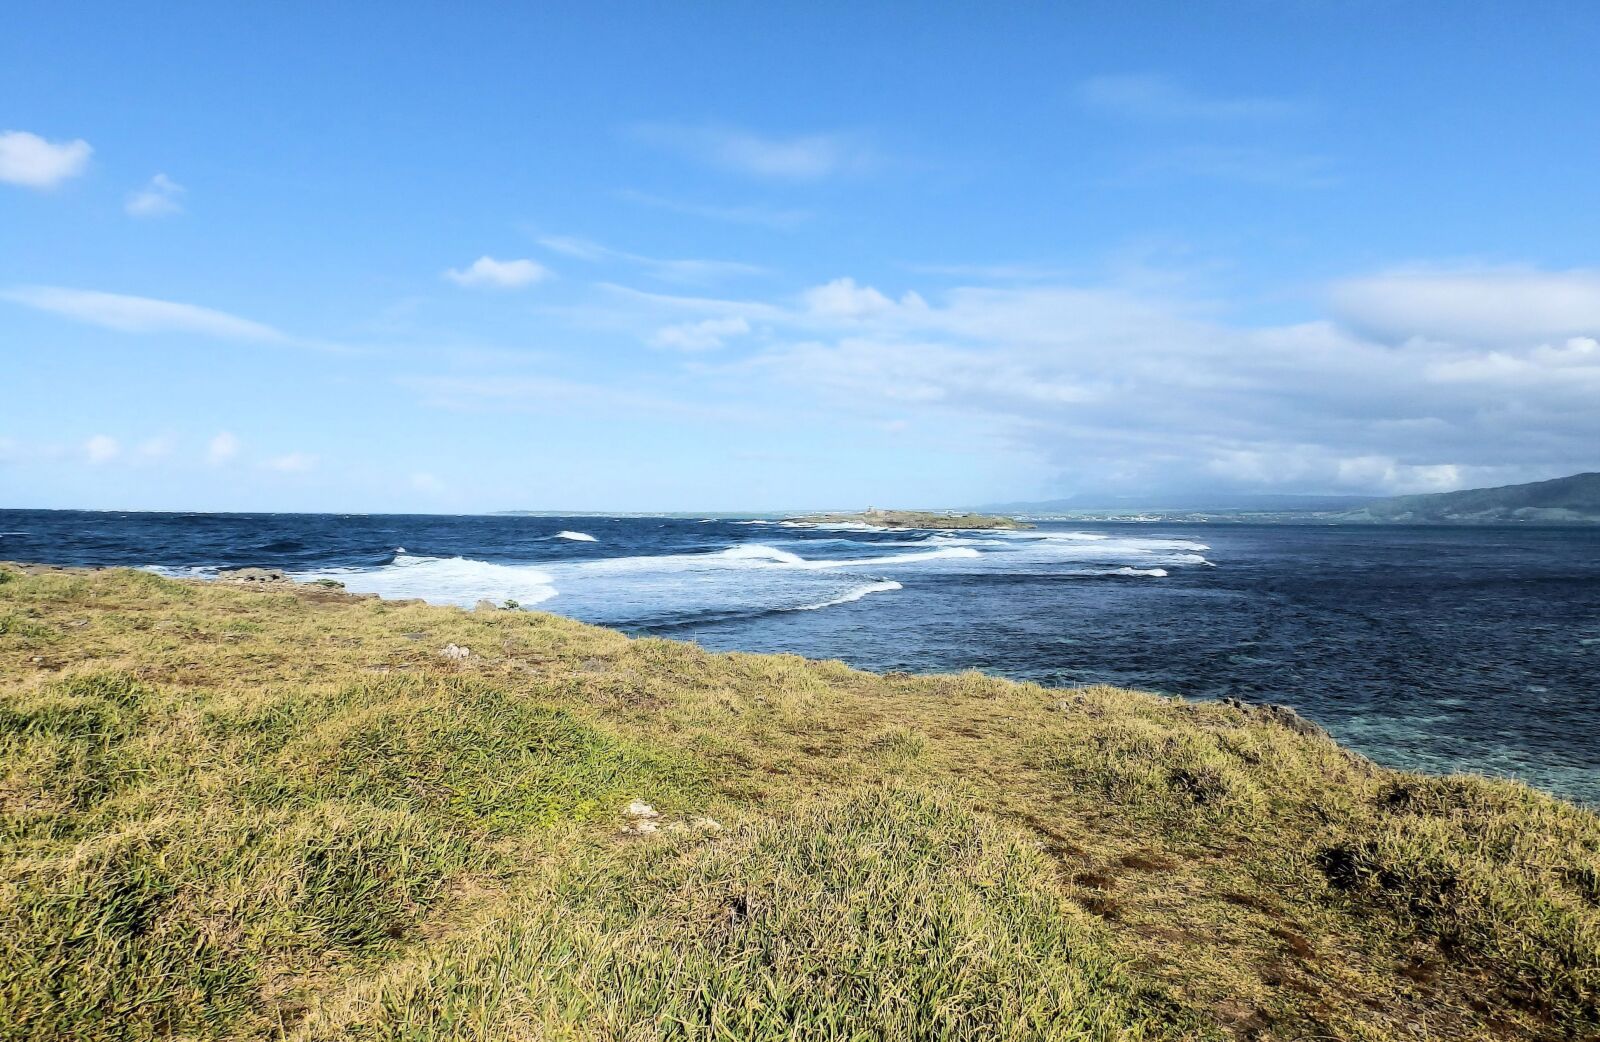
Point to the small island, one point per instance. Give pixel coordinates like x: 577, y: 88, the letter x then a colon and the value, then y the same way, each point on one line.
x: 912, y: 519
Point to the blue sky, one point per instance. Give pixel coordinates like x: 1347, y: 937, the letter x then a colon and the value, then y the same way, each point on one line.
x: 451, y: 257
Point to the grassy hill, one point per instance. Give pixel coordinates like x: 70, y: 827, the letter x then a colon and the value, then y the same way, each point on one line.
x: 1570, y: 500
x: 282, y: 813
x: 1575, y: 498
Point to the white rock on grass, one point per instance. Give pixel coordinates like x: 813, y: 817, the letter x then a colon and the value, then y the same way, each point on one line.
x: 455, y: 651
x: 639, y: 809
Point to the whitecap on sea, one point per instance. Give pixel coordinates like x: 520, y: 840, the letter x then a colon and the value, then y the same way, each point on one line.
x: 745, y: 578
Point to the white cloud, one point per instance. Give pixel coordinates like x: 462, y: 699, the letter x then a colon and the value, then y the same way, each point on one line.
x: 291, y: 463
x: 574, y: 246
x: 706, y: 335
x: 670, y: 270
x: 222, y: 448
x: 1135, y: 391
x: 499, y: 274
x: 159, y: 198
x: 1149, y: 97
x: 1325, y: 470
x: 1385, y: 473
x: 1486, y: 306
x: 842, y: 298
x: 804, y: 157
x: 1120, y: 388
x: 32, y: 162
x: 1568, y: 370
x: 102, y: 448
x: 131, y: 314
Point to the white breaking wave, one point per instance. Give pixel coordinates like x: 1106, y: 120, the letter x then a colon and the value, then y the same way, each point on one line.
x: 1074, y: 537
x: 751, y: 578
x: 756, y: 552
x: 883, y: 586
x: 1110, y: 542
x: 771, y: 556
x: 445, y: 580
x: 943, y: 553
x: 762, y: 556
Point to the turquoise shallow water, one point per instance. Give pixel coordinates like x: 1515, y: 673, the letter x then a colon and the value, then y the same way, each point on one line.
x: 1432, y: 648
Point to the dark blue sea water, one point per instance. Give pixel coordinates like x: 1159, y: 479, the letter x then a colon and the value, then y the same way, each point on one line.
x: 1430, y: 648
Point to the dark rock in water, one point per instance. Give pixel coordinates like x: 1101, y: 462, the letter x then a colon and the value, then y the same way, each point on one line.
x: 331, y: 584
x: 1283, y: 716
x: 252, y: 575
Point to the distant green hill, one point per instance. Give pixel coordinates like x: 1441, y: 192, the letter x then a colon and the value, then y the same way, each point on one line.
x: 1574, y: 499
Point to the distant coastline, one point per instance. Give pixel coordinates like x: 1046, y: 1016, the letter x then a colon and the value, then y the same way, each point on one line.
x: 918, y: 519
x: 1568, y: 501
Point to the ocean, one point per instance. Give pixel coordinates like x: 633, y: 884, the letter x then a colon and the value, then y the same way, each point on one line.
x: 1430, y: 648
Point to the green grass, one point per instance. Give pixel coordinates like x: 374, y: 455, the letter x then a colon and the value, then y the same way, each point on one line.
x: 881, y: 915
x: 236, y: 813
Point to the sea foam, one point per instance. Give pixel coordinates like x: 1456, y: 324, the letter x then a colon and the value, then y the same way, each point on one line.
x: 445, y: 580
x: 882, y: 586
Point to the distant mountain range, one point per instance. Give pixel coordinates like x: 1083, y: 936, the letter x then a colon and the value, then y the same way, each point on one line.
x: 1574, y: 499
x: 1569, y: 500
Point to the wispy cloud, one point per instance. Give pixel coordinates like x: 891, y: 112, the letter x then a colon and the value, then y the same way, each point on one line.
x: 1140, y: 388
x: 32, y: 162
x: 102, y: 448
x: 802, y: 157
x: 1160, y: 98
x: 753, y: 310
x: 130, y: 314
x: 486, y: 272
x: 705, y: 335
x: 843, y: 299
x: 161, y: 197
x: 766, y: 216
x: 1472, y: 305
x: 222, y: 448
x: 685, y: 270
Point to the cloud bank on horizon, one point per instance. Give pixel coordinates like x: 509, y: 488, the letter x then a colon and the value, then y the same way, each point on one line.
x: 740, y: 312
